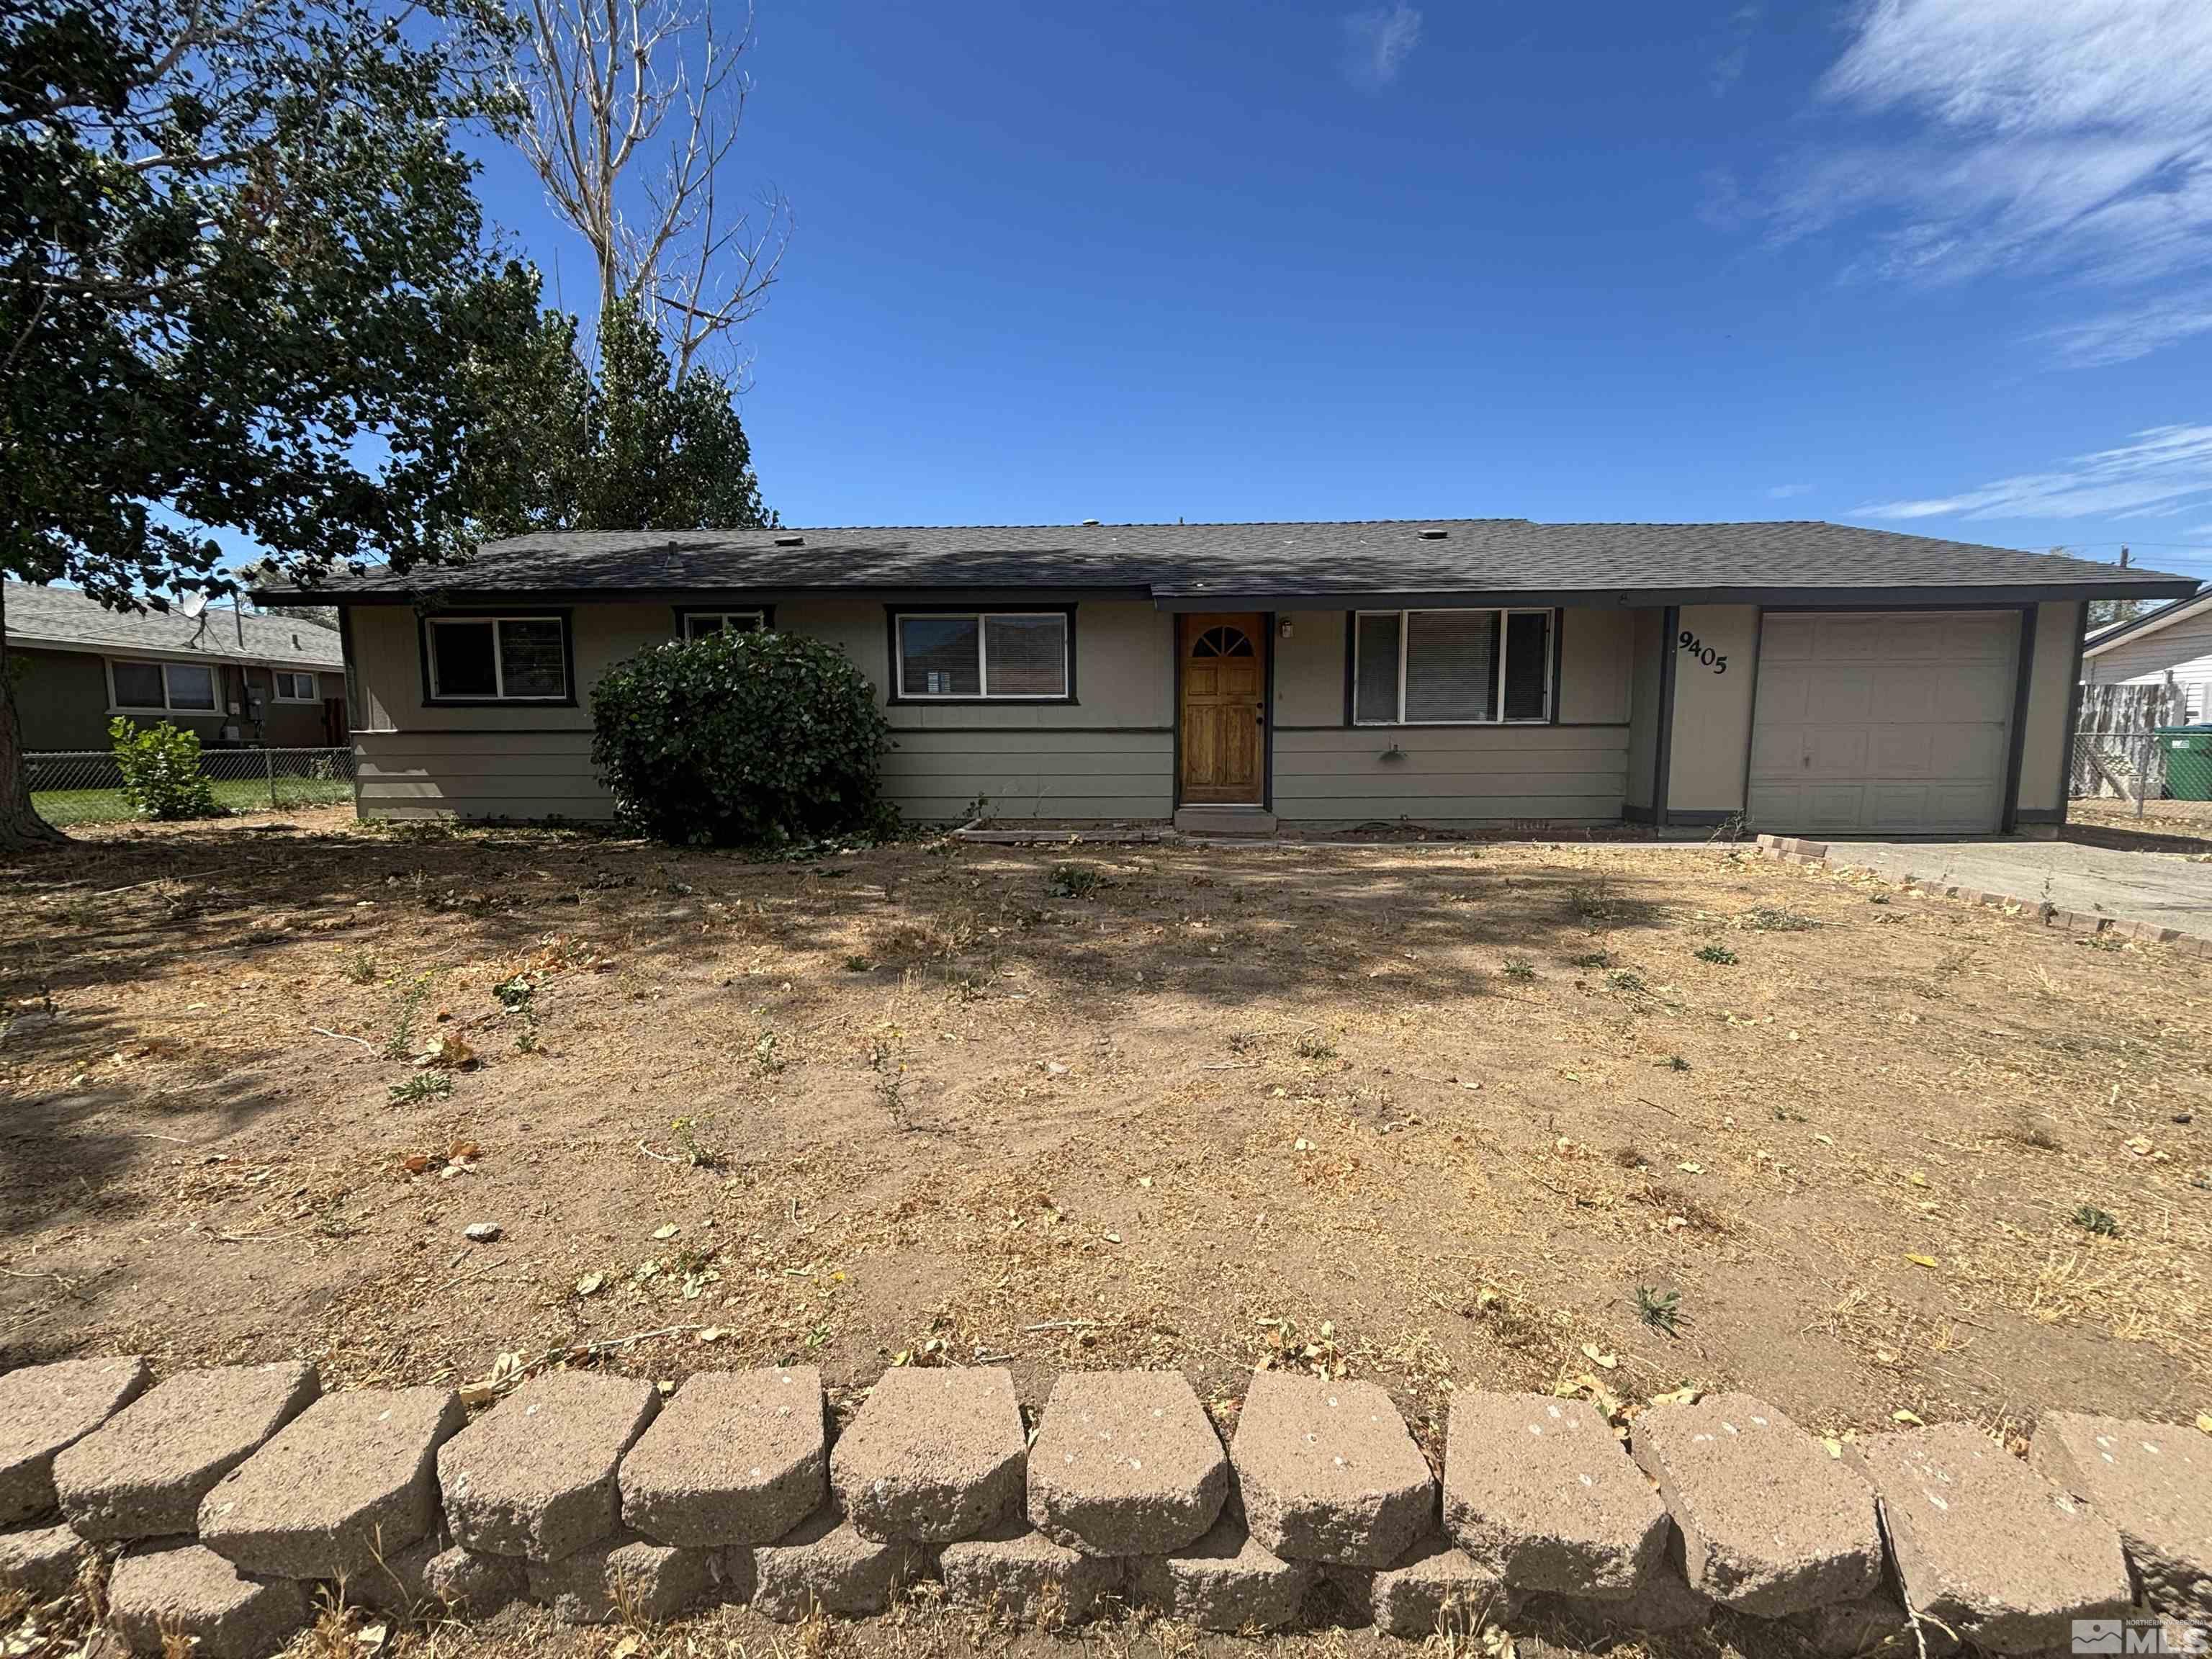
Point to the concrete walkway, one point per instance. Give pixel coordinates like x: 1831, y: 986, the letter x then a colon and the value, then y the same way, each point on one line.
x: 2164, y: 889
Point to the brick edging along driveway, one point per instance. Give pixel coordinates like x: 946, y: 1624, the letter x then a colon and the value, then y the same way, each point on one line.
x: 1790, y: 849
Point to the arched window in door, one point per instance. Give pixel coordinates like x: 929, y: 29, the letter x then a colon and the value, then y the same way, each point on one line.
x: 1222, y: 642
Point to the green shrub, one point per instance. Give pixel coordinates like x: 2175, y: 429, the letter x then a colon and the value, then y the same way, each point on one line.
x: 742, y: 739
x: 161, y: 767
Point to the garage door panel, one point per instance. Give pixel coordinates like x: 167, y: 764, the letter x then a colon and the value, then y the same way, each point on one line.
x: 1883, y: 723
x: 1786, y: 640
x: 1841, y: 693
x: 1910, y: 693
x: 1903, y: 751
x: 1978, y: 752
x: 1987, y: 636
x: 1978, y: 694
x: 1836, y: 752
x: 1847, y: 639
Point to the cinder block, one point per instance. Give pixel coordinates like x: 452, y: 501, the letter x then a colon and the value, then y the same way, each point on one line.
x: 1986, y: 1547
x: 1874, y: 1624
x: 350, y: 1481
x: 45, y: 1408
x: 737, y: 1457
x: 1663, y: 1601
x: 827, y: 1562
x: 1125, y: 1463
x: 189, y: 1594
x: 535, y: 1476
x: 399, y: 1583
x: 934, y: 1455
x: 40, y: 1562
x: 1327, y: 1472
x: 1772, y: 1525
x: 1226, y: 1581
x: 2153, y: 1482
x: 143, y: 1472
x: 1539, y: 1491
x: 632, y: 1578
x: 1431, y: 1590
x: 1025, y: 1578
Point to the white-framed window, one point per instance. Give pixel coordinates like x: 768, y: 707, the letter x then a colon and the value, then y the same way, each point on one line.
x: 295, y: 686
x: 520, y: 659
x: 161, y: 688
x: 984, y: 655
x: 698, y: 624
x: 1451, y: 667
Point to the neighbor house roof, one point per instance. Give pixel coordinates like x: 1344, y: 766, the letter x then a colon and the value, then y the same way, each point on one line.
x: 1211, y: 566
x: 2135, y: 627
x: 64, y: 619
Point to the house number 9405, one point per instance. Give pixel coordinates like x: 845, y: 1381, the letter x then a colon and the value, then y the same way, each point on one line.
x: 1716, y: 660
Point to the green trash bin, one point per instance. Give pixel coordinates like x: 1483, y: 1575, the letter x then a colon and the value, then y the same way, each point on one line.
x: 2188, y: 753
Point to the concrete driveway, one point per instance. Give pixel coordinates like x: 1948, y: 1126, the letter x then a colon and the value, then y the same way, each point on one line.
x: 2167, y: 889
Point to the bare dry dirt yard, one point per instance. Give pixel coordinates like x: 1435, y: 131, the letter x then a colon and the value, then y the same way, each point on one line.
x: 1444, y: 1116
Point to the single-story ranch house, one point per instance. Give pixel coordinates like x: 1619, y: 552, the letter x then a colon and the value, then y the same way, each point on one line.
x: 2170, y: 645
x: 269, y: 681
x: 1802, y: 677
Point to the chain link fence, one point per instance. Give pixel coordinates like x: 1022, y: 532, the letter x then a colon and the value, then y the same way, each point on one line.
x: 2126, y: 768
x: 86, y: 787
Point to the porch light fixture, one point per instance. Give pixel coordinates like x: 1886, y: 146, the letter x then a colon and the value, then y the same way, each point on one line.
x: 1283, y: 628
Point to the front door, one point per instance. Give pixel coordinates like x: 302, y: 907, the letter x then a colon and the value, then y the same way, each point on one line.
x: 1224, y: 684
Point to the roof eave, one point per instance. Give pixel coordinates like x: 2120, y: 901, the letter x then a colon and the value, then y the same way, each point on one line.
x: 1881, y: 597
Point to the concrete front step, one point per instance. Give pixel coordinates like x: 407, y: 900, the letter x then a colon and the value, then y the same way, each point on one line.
x: 1224, y: 821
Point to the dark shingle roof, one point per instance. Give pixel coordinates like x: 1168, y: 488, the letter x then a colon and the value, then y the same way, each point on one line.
x: 1183, y: 565
x: 65, y: 617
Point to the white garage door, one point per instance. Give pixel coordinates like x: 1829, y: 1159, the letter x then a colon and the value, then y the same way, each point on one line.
x: 1883, y: 722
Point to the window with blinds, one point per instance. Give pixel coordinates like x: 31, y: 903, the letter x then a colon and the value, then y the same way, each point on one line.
x: 1451, y: 667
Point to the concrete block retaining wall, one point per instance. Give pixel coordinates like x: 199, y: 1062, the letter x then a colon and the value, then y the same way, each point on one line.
x: 236, y: 1497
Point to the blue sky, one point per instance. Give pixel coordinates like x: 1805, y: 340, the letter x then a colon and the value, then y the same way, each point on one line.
x: 1931, y: 264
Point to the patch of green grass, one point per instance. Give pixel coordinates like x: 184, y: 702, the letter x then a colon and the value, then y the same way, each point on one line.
x: 423, y: 1086
x: 2091, y: 1219
x: 1777, y: 919
x: 1719, y: 955
x: 1520, y: 968
x: 1075, y: 881
x: 1660, y: 1309
x: 67, y: 806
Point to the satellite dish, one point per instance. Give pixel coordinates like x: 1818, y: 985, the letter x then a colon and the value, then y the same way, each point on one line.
x: 194, y: 604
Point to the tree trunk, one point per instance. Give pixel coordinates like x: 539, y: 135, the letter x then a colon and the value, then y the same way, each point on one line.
x: 21, y: 829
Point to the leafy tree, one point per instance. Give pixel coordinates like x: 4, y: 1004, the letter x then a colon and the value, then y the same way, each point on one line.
x: 243, y: 286
x: 638, y: 446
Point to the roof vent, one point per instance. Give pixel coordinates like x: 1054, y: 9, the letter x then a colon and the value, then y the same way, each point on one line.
x: 1434, y: 535
x: 1090, y: 524
x: 791, y: 541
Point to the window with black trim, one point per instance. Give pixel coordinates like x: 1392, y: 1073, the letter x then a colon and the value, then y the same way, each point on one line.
x: 497, y: 658
x: 982, y: 655
x: 185, y: 688
x: 1451, y: 667
x: 292, y: 687
x: 698, y: 624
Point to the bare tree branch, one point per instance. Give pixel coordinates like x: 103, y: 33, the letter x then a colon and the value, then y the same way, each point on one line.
x: 606, y: 81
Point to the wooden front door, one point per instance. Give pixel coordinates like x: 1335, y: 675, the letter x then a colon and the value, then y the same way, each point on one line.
x: 1224, y: 688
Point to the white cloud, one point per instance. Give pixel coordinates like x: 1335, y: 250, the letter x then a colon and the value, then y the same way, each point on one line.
x: 1378, y: 43
x: 1785, y: 492
x: 2121, y: 336
x: 1735, y: 55
x: 2069, y: 139
x: 2160, y: 470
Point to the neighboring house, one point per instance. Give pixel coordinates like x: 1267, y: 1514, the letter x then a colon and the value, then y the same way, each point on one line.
x: 1798, y: 676
x: 271, y: 682
x: 2170, y: 645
